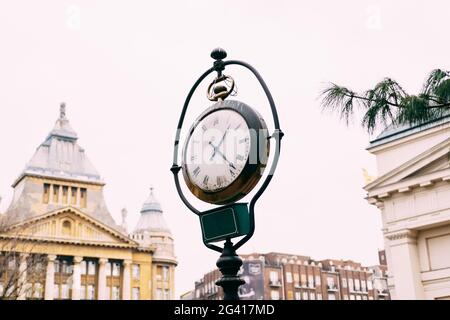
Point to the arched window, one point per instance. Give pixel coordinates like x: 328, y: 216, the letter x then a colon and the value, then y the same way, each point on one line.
x: 66, y: 228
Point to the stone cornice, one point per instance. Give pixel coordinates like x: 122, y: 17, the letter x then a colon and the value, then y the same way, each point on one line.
x: 408, y: 185
x: 80, y: 214
x: 402, y: 234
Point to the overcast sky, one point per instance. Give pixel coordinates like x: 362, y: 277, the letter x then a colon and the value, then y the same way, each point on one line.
x: 124, y: 68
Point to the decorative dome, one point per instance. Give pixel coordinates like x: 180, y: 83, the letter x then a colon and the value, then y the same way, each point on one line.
x: 151, y: 204
x: 152, y: 219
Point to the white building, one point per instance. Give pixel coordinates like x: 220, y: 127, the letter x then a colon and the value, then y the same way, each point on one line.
x: 413, y: 193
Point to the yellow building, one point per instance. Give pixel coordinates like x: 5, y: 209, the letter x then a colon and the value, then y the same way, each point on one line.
x: 59, y: 241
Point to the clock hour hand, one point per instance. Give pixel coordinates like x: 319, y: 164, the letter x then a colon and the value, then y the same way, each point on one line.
x: 220, y: 143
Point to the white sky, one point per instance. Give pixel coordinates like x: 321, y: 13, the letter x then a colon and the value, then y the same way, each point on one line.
x: 125, y: 67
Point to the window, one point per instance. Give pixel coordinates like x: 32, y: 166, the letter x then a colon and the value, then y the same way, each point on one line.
x: 28, y: 290
x: 159, y: 295
x: 330, y: 282
x: 288, y: 277
x: 115, y: 293
x: 83, y: 197
x: 65, y: 291
x: 317, y: 280
x: 297, y: 296
x: 46, y: 194
x: 358, y: 297
x: 290, y: 295
x: 296, y: 278
x: 66, y: 228
x: 311, y: 281
x: 352, y: 297
x: 363, y: 285
x: 55, y: 193
x: 83, y: 267
x: 135, y: 294
x: 115, y: 269
x: 319, y: 296
x: 305, y: 295
x: 350, y: 284
x: 12, y: 263
x: 331, y: 296
x: 345, y: 297
x: 165, y: 273
x: 166, y: 294
x: 65, y: 192
x: 91, y: 268
x: 275, y: 295
x: 369, y: 285
x: 312, y: 296
x: 357, y: 285
x: 73, y: 197
x: 91, y: 292
x: 135, y: 271
x: 344, y: 282
x: 56, y: 291
x: 273, y: 276
x: 364, y: 297
x: 303, y: 279
x: 38, y: 292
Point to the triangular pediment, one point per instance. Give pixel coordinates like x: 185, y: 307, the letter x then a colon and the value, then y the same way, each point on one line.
x: 69, y: 225
x: 431, y: 165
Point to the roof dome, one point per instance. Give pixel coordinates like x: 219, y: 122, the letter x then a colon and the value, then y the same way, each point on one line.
x: 152, y: 218
x: 151, y: 204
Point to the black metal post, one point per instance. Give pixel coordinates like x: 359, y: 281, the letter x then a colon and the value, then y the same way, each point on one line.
x: 229, y: 264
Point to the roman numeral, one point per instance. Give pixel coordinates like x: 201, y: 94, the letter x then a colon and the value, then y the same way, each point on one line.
x: 205, y: 180
x: 220, y: 180
x: 240, y: 157
x: 239, y: 125
x: 204, y: 128
x: 196, y: 171
x: 243, y: 140
x: 216, y: 121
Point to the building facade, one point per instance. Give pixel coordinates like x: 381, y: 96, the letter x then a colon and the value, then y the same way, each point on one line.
x: 412, y: 192
x: 59, y: 241
x: 278, y: 276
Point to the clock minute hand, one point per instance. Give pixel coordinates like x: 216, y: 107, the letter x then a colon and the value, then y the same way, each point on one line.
x: 223, y: 137
x: 227, y: 161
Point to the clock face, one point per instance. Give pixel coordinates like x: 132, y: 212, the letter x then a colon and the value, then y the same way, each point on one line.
x: 218, y: 150
x: 225, y: 152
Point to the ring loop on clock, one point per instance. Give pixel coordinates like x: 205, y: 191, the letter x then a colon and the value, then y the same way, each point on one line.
x: 215, y: 92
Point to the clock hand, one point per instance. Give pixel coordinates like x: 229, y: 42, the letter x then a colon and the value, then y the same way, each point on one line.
x: 226, y: 160
x: 220, y: 143
x: 223, y: 137
x: 214, y: 151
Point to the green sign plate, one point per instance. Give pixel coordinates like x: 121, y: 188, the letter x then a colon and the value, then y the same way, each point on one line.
x: 225, y: 222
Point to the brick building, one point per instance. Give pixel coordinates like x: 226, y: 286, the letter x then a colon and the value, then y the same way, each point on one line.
x: 279, y: 276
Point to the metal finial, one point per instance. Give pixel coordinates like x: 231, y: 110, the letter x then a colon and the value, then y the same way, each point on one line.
x: 151, y: 190
x: 218, y: 54
x: 62, y: 110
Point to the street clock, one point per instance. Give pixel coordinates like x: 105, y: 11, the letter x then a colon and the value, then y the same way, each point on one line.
x: 225, y: 152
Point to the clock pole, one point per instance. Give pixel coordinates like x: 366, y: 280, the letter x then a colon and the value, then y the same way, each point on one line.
x: 233, y: 219
x: 229, y: 264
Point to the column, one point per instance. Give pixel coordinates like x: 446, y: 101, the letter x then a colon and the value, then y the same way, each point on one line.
x: 126, y: 285
x: 76, y: 278
x: 101, y: 293
x: 405, y: 264
x: 50, y: 277
x: 22, y: 281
